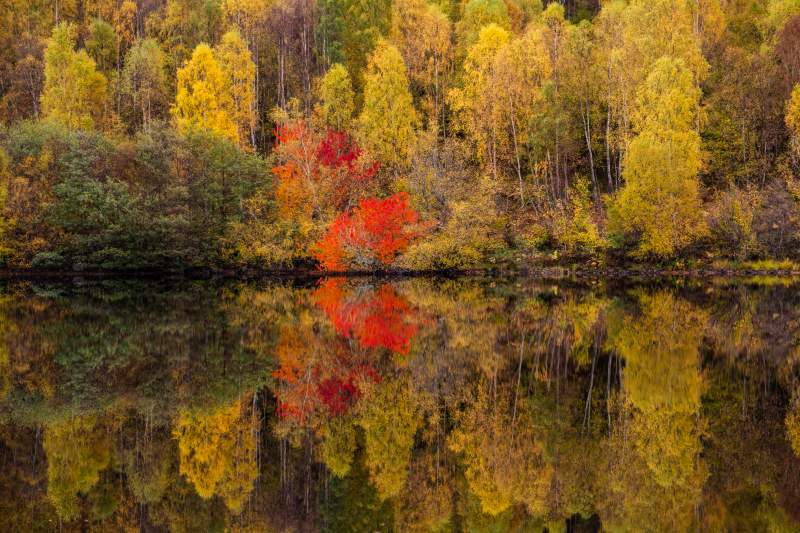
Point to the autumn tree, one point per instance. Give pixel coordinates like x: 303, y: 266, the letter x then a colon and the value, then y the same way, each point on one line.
x: 74, y: 91
x: 217, y: 451
x: 793, y: 118
x: 477, y: 15
x: 336, y: 98
x: 371, y: 236
x: 204, y: 101
x: 390, y: 417
x: 236, y: 62
x: 77, y: 451
x: 476, y: 105
x: 660, y: 203
x: 388, y: 119
x: 144, y: 80
x: 422, y: 34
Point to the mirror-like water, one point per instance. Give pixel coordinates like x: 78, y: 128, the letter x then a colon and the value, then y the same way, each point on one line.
x: 411, y: 405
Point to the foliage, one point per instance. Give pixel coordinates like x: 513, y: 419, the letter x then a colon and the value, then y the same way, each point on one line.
x: 204, y: 101
x: 660, y: 202
x: 336, y: 98
x: 372, y: 235
x: 388, y: 120
x: 74, y: 92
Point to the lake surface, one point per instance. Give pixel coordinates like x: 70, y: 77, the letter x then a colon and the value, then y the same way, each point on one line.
x: 407, y: 405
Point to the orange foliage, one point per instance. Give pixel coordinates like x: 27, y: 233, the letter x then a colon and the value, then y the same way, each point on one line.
x: 376, y: 319
x: 374, y: 233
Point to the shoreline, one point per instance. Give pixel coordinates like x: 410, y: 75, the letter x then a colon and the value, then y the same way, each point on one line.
x: 546, y: 272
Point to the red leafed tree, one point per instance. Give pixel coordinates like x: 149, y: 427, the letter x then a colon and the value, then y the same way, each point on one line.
x: 349, y: 174
x: 375, y: 319
x: 316, y: 171
x: 373, y: 234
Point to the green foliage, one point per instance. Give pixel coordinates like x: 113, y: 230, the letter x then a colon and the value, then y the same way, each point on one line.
x: 159, y: 201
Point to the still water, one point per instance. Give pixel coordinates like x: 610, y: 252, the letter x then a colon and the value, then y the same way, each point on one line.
x: 405, y: 405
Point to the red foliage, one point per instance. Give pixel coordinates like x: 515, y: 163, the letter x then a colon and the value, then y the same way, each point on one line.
x: 374, y: 233
x: 376, y: 319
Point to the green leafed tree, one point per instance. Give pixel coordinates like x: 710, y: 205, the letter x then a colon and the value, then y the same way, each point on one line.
x: 144, y: 80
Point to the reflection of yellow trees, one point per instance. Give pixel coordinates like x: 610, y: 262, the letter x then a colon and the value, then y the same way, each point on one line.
x: 390, y: 417
x: 77, y: 451
x: 793, y: 426
x: 338, y: 445
x: 427, y: 502
x: 218, y: 452
x: 147, y: 470
x: 659, y: 475
x: 504, y: 459
x: 5, y: 361
x: 568, y: 325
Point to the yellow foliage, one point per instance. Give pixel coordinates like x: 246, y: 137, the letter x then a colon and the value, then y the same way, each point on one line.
x: 237, y: 63
x: 218, y: 452
x: 74, y: 91
x: 388, y: 121
x: 504, y: 459
x: 390, y: 418
x: 203, y: 101
x: 660, y: 203
x: 77, y: 451
x: 336, y: 98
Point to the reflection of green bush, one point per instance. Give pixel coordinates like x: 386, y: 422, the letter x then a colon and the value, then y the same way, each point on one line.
x: 97, y: 346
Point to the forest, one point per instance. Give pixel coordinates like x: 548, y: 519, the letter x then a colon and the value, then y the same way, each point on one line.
x: 398, y: 134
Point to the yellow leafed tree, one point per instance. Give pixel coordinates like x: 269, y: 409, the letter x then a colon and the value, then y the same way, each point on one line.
x: 74, y: 91
x: 660, y: 203
x: 203, y: 101
x: 218, y: 452
x: 336, y: 98
x: 237, y: 63
x: 388, y: 120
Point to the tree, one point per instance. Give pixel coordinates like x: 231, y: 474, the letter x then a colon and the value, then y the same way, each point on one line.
x: 422, y: 34
x: 144, y: 79
x: 77, y: 451
x: 477, y: 15
x: 74, y: 91
x: 388, y: 120
x: 102, y: 44
x: 349, y: 30
x: 371, y: 236
x: 660, y: 203
x: 218, y: 451
x: 390, y: 417
x: 236, y: 62
x: 204, y: 100
x: 336, y: 98
x: 476, y: 105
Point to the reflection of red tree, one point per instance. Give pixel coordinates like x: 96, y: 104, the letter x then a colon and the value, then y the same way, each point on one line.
x: 319, y: 377
x: 376, y: 319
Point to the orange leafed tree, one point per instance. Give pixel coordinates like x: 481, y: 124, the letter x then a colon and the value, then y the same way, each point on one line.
x: 373, y: 234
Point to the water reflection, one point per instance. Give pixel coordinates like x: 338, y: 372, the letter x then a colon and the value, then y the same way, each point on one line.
x: 414, y: 405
